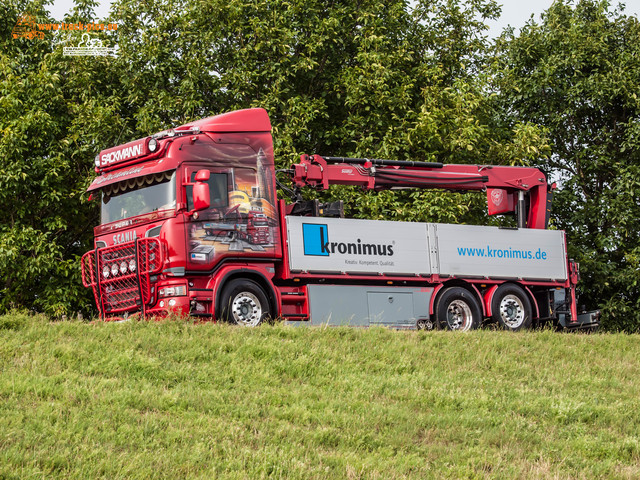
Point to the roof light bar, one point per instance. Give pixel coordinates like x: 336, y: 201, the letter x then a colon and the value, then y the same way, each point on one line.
x: 173, y: 132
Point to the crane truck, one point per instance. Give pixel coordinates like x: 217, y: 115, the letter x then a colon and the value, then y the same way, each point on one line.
x: 191, y: 223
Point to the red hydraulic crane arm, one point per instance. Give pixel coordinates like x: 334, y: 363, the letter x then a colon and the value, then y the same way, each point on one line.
x: 507, y: 187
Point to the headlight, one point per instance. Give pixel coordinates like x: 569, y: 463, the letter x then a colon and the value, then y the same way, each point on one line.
x: 153, y: 145
x: 132, y: 265
x: 123, y: 268
x: 105, y: 271
x: 114, y: 269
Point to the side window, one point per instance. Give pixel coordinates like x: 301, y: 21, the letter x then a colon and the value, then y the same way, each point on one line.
x: 218, y: 190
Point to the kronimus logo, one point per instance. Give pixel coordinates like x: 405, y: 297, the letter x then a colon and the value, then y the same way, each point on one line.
x: 316, y: 242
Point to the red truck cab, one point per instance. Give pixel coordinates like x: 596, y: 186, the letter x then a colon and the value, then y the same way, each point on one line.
x: 179, y: 205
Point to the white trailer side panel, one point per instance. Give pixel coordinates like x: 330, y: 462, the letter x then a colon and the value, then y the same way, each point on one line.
x: 380, y: 247
x: 476, y: 251
x: 357, y: 246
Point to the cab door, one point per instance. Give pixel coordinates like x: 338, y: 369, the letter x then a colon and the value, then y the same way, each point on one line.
x: 205, y: 230
x: 241, y: 221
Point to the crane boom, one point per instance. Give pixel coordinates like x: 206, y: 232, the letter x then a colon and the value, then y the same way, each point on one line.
x: 522, y: 190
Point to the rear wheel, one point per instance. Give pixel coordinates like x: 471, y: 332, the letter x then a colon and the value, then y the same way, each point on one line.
x: 245, y: 303
x: 458, y: 309
x: 511, y: 308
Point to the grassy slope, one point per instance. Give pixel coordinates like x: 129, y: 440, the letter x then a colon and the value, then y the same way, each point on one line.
x: 176, y: 400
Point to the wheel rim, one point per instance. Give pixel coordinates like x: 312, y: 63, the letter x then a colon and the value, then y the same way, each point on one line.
x: 459, y: 316
x: 512, y: 311
x: 246, y: 309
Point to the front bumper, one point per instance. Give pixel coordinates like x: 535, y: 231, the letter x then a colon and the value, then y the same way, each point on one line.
x: 123, y: 289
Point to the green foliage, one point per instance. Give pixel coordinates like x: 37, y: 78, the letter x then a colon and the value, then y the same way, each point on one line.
x: 342, y: 77
x: 62, y: 111
x: 155, y: 400
x: 385, y: 80
x: 576, y: 74
x: 397, y: 79
x: 57, y: 112
x: 368, y: 79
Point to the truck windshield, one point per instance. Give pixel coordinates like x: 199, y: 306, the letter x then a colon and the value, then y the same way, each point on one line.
x: 138, y: 196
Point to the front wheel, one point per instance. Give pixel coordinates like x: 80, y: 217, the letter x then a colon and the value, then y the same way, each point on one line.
x: 245, y: 303
x: 458, y: 309
x: 511, y: 308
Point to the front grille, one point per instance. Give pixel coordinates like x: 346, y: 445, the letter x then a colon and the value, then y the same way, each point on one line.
x: 128, y: 289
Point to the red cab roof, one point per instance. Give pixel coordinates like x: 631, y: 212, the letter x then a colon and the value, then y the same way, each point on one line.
x: 136, y: 154
x: 249, y: 120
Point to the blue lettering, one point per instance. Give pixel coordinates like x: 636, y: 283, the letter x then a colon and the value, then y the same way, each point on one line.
x: 502, y: 253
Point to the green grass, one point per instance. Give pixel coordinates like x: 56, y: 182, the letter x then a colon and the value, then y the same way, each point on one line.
x: 181, y: 400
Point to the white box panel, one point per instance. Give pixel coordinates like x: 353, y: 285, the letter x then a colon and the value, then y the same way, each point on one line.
x: 469, y: 250
x: 381, y: 247
x: 357, y: 246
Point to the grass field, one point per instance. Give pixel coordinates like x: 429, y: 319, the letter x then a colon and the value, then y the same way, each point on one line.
x: 181, y: 400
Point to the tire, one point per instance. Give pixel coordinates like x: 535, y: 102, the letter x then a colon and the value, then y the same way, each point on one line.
x: 511, y: 308
x: 457, y: 309
x: 244, y: 303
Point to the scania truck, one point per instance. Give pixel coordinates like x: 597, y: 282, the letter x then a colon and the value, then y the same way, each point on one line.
x: 191, y: 223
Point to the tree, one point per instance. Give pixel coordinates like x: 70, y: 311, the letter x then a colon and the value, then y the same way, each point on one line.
x: 367, y: 78
x: 56, y: 113
x: 577, y: 74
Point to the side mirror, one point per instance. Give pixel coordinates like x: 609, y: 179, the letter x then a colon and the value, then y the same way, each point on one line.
x: 203, y: 176
x: 201, y: 198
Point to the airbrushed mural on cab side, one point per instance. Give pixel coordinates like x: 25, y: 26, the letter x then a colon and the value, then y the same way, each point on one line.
x: 242, y: 216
